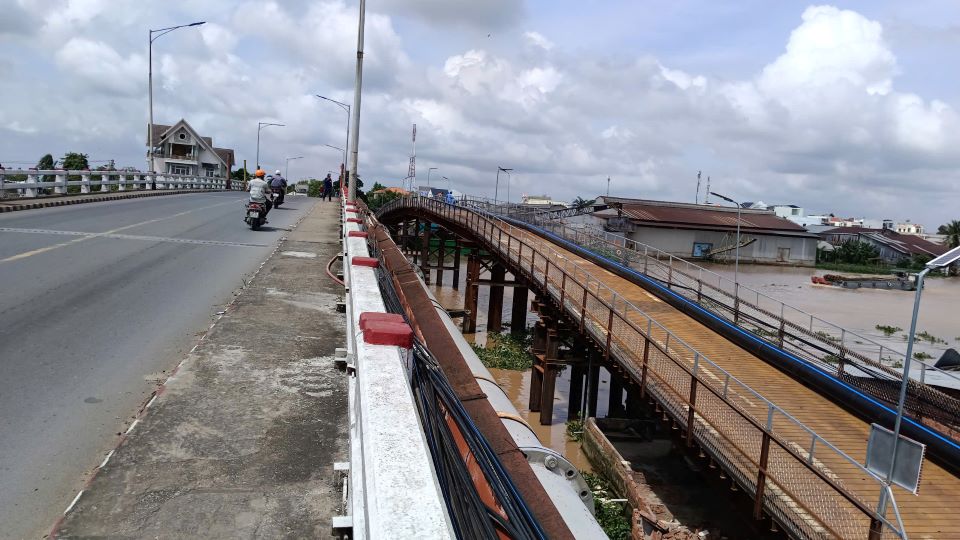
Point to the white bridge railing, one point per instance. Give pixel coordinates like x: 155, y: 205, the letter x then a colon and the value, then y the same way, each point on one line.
x: 56, y: 182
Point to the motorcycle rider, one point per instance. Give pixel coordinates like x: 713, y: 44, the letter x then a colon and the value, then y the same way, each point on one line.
x: 260, y: 191
x: 279, y: 183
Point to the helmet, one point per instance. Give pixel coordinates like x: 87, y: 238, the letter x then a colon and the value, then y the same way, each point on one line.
x: 259, y: 173
x: 277, y: 172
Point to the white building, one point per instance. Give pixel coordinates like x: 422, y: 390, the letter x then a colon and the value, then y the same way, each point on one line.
x: 909, y: 228
x: 178, y: 149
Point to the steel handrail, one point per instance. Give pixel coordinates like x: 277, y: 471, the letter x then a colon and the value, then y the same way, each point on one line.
x: 443, y: 208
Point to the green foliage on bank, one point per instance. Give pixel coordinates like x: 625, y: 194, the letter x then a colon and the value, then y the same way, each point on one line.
x: 610, y: 515
x: 506, y: 351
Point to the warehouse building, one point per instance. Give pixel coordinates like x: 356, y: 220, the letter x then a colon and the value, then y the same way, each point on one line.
x: 703, y: 231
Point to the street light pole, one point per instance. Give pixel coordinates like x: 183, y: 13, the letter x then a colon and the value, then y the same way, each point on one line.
x: 355, y: 131
x: 943, y: 261
x: 286, y: 169
x: 150, y: 35
x: 496, y: 187
x: 448, y: 183
x: 261, y: 125
x: 340, y: 149
x: 736, y: 260
x: 345, y: 107
x: 431, y: 169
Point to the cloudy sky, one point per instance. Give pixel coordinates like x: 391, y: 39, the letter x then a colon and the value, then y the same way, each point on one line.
x: 848, y: 108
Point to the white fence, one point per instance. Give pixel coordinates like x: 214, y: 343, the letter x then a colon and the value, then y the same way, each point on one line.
x: 57, y: 182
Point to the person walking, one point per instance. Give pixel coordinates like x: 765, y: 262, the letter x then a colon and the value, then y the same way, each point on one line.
x: 327, y: 188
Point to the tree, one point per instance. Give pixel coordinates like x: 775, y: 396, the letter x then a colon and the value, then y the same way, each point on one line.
x: 75, y: 161
x: 45, y: 163
x: 856, y: 252
x: 580, y: 202
x: 952, y: 232
x: 238, y: 174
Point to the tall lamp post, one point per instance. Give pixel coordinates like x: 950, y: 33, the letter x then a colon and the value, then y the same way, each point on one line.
x: 431, y: 169
x: 340, y: 149
x: 261, y: 125
x: 346, y: 108
x: 943, y: 261
x: 448, y: 183
x: 286, y: 168
x: 736, y: 260
x: 496, y: 187
x: 355, y: 110
x: 160, y: 32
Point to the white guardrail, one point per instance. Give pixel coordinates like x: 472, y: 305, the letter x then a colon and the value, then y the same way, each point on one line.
x: 57, y: 182
x: 393, y: 489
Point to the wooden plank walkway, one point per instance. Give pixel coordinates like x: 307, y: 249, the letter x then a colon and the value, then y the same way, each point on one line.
x: 932, y: 514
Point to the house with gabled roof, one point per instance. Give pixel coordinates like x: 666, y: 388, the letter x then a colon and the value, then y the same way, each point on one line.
x: 179, y: 149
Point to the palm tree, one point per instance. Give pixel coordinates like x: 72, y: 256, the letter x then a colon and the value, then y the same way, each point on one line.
x: 952, y: 232
x: 580, y: 202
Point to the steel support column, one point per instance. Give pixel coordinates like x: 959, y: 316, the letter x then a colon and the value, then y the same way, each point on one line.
x: 518, y: 310
x: 495, y: 307
x: 577, y: 373
x: 473, y: 291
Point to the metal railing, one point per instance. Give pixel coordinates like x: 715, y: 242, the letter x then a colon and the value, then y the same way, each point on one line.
x: 838, y: 351
x: 789, y: 469
x: 57, y: 182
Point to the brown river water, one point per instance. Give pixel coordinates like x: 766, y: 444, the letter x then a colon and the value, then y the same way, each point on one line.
x: 859, y: 310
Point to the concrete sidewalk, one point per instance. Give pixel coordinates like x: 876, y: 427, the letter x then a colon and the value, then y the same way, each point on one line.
x: 241, y: 441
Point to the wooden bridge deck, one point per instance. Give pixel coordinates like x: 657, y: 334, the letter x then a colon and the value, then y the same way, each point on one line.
x: 931, y: 514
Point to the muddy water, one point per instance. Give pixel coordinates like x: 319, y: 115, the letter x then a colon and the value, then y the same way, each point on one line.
x: 861, y: 310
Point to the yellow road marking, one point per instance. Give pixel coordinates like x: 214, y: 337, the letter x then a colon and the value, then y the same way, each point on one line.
x: 31, y: 253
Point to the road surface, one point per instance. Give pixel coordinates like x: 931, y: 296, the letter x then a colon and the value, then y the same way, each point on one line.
x: 99, y: 300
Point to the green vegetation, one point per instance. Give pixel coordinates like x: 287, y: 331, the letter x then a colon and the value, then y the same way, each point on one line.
x: 921, y: 356
x: 575, y: 430
x: 888, y: 330
x: 314, y: 188
x: 952, y: 232
x: 379, y: 196
x: 827, y: 337
x: 610, y: 515
x: 850, y: 252
x: 832, y: 359
x: 580, y: 202
x: 75, y: 161
x: 854, y: 268
x: 923, y: 335
x: 506, y: 351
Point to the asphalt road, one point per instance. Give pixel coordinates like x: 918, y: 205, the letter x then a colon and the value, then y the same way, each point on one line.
x: 98, y: 301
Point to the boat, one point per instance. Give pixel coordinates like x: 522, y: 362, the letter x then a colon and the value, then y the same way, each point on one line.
x: 900, y: 281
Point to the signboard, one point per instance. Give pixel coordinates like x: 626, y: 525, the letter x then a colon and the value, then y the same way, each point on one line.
x: 906, y: 472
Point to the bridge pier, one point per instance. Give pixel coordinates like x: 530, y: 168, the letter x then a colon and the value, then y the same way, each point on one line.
x: 615, y: 403
x: 498, y: 274
x: 457, y: 248
x: 441, y: 258
x: 593, y: 382
x: 425, y: 252
x: 518, y: 309
x: 575, y: 401
x: 472, y: 294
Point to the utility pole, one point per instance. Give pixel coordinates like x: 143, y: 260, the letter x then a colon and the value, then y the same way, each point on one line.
x: 608, y: 186
x: 355, y: 132
x: 696, y: 200
x: 706, y: 198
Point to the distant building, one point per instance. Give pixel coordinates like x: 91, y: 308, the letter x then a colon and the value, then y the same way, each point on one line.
x: 543, y: 202
x: 179, y: 149
x: 909, y: 228
x: 708, y: 231
x: 893, y: 246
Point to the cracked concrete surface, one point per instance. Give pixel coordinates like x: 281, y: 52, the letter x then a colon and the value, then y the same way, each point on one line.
x: 242, y: 440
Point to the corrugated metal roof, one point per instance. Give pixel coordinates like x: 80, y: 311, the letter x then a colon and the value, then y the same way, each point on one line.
x: 666, y: 214
x: 907, y: 243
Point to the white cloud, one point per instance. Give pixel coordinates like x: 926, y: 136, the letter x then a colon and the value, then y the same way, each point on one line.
x: 538, y: 40
x: 100, y: 66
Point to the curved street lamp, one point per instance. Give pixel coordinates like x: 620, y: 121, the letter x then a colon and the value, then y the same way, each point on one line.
x: 736, y: 260
x: 346, y: 108
x: 261, y: 125
x: 159, y: 32
x: 286, y: 169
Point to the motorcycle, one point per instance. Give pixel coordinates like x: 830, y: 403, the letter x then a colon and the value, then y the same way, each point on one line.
x: 256, y: 214
x: 277, y: 196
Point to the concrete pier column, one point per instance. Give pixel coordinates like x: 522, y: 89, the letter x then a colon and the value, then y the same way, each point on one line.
x: 85, y: 185
x: 123, y: 182
x: 472, y: 292
x: 495, y: 307
x: 518, y: 310
x: 412, y: 241
x: 32, y: 182
x: 536, y: 386
x: 577, y: 374
x: 104, y: 178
